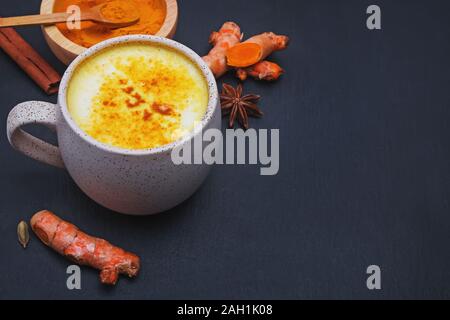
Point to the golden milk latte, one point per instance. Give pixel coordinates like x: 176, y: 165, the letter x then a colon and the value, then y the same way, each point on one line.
x: 137, y: 96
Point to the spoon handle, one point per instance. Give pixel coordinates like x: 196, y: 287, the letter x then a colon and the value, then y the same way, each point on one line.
x: 41, y: 19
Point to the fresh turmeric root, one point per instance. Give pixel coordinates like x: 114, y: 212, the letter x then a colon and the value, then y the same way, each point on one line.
x: 69, y: 241
x: 255, y: 49
x: 263, y: 70
x: 228, y: 36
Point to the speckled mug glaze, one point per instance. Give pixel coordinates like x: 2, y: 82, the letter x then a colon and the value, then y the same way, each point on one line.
x: 137, y: 182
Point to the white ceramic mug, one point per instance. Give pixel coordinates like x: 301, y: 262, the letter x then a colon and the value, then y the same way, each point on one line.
x: 127, y: 181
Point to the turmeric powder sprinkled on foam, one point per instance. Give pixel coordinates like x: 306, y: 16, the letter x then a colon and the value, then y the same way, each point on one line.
x: 139, y: 97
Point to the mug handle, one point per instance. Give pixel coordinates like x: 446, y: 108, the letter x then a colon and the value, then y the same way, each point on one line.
x: 34, y: 112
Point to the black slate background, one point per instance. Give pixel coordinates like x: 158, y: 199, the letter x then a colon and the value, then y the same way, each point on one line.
x: 364, y: 170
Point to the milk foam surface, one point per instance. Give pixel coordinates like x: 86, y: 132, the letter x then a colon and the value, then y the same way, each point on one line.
x: 137, y: 96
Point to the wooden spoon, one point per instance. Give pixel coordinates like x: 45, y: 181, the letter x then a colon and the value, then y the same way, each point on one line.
x: 93, y: 14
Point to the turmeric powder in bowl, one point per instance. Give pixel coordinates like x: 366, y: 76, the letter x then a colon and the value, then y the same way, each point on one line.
x: 152, y: 15
x: 119, y: 11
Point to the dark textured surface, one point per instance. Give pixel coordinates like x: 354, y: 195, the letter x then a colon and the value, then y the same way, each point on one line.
x: 364, y: 173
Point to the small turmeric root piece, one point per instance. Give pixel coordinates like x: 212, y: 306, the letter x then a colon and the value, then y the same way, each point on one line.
x: 263, y: 70
x: 255, y: 49
x: 228, y: 36
x: 69, y: 241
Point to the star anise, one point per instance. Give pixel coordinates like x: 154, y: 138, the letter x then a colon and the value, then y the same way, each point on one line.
x: 238, y: 106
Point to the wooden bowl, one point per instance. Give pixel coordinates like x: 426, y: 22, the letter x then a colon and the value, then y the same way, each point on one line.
x: 66, y: 50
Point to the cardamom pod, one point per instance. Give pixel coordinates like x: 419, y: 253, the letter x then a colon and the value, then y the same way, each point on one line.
x: 23, y: 234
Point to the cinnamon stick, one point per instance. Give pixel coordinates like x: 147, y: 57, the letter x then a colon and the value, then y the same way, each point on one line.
x: 29, y: 60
